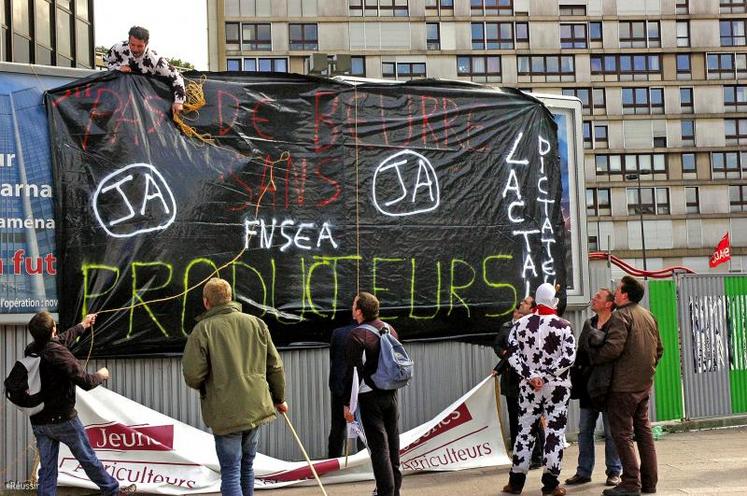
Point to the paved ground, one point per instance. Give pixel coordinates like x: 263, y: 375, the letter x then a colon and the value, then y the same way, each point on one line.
x: 702, y: 463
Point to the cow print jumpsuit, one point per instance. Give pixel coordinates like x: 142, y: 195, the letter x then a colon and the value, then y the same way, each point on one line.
x: 542, y: 346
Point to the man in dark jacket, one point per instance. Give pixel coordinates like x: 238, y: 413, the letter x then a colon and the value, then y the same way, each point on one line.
x: 634, y: 346
x: 58, y: 421
x: 602, y: 304
x: 378, y: 408
x: 510, y: 383
x: 337, y: 369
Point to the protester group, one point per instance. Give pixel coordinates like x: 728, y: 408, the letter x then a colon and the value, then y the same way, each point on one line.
x: 231, y: 360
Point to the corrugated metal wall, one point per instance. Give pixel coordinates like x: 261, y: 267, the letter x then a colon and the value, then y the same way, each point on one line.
x: 705, y: 368
x: 444, y: 371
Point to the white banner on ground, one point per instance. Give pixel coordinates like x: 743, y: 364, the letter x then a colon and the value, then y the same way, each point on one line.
x: 140, y: 446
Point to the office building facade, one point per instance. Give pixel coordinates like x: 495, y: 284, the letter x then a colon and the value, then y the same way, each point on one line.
x: 662, y: 84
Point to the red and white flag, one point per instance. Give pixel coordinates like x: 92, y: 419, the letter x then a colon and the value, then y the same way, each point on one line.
x: 722, y: 253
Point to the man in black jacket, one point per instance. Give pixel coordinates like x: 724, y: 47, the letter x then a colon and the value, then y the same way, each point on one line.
x: 337, y: 369
x: 58, y: 422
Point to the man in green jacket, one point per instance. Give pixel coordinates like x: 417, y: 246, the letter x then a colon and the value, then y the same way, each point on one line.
x: 231, y: 360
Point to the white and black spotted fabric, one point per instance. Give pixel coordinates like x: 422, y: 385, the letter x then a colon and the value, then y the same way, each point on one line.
x: 542, y: 346
x: 149, y: 63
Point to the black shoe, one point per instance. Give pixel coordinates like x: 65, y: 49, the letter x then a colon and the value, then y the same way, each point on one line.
x: 648, y: 490
x: 535, y: 465
x: 620, y: 491
x: 577, y: 479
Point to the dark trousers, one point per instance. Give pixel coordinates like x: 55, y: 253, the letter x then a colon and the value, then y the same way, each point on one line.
x: 628, y: 415
x: 380, y: 419
x: 338, y: 427
x: 512, y: 402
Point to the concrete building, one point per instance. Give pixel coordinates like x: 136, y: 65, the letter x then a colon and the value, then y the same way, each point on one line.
x: 47, y: 32
x: 662, y: 83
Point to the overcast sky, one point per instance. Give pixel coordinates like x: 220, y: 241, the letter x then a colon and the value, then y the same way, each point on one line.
x: 178, y: 28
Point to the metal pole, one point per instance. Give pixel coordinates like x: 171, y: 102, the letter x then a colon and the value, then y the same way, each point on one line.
x: 643, y: 233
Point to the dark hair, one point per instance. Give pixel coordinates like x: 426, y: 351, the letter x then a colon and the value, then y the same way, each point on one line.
x: 139, y: 33
x: 40, y: 326
x: 534, y: 302
x: 632, y: 287
x: 368, y: 304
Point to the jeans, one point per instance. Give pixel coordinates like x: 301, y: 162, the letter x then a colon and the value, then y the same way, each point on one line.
x: 587, y: 424
x: 73, y: 434
x: 236, y: 452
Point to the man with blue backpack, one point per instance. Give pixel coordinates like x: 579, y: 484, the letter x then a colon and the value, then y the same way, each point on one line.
x: 383, y: 366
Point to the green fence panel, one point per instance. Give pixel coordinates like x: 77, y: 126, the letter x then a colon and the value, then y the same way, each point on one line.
x: 668, y: 380
x: 736, y: 294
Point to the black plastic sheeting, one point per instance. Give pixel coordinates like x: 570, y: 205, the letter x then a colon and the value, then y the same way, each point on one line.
x: 441, y: 198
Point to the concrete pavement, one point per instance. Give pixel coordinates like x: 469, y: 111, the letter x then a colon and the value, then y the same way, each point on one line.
x: 702, y: 463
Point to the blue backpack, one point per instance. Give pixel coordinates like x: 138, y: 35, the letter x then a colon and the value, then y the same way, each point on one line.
x: 395, y: 367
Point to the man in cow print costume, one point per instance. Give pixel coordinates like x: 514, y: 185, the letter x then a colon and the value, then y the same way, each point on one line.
x: 134, y: 56
x: 542, y: 351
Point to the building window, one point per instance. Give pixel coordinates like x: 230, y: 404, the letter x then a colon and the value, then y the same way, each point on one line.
x: 265, y: 64
x: 492, y: 7
x: 233, y: 39
x: 643, y: 100
x: 233, y: 64
x: 626, y: 67
x: 522, y: 32
x: 598, y: 202
x: 586, y: 127
x: 433, y: 36
x: 651, y: 201
x: 439, y: 7
x: 573, y: 36
x: 378, y: 8
x: 479, y: 68
x: 735, y: 131
x: 682, y: 7
x: 573, y: 10
x: 735, y: 98
x: 591, y: 99
x: 684, y: 69
x: 738, y: 198
x: 686, y: 100
x: 403, y: 71
x: 256, y: 37
x: 358, y: 66
x: 595, y: 31
x: 492, y: 35
x: 639, y: 34
x: 547, y: 67
x: 733, y: 6
x: 303, y: 37
x: 687, y: 130
x: 600, y: 136
x: 688, y: 163
x: 732, y: 33
x: 645, y: 163
x: 726, y: 65
x: 683, y: 33
x: 692, y: 202
x: 593, y: 242
x: 727, y: 165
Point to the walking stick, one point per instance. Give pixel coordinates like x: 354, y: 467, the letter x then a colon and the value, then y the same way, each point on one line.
x: 300, y: 445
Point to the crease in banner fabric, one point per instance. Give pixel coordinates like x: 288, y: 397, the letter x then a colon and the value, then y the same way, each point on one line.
x: 160, y: 455
x: 443, y: 198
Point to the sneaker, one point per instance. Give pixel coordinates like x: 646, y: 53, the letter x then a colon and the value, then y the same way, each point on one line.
x: 577, y: 479
x: 613, y: 480
x: 131, y: 489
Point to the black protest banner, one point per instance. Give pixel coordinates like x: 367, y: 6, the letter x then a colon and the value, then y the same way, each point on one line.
x: 441, y: 198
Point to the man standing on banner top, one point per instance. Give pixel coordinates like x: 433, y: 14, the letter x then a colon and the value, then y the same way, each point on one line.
x: 231, y: 359
x: 378, y: 408
x: 510, y: 382
x: 134, y: 56
x: 542, y: 350
x: 58, y: 421
x: 633, y: 345
x: 602, y: 304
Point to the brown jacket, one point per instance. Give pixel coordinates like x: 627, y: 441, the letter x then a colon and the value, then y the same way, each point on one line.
x: 634, y: 345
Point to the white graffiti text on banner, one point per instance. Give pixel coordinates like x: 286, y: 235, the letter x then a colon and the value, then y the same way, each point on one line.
x: 417, y: 188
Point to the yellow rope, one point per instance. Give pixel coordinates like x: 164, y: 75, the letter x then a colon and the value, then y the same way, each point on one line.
x: 194, y: 101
